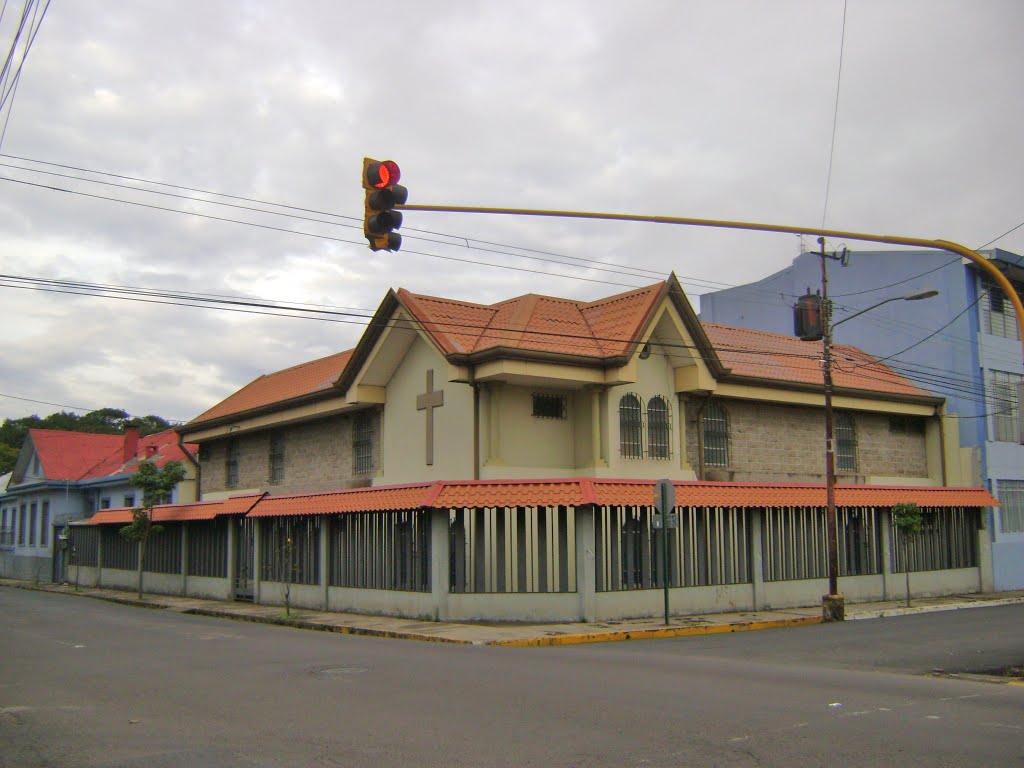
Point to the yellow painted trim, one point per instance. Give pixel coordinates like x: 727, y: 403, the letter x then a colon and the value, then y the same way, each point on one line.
x: 365, y: 393
x: 320, y: 409
x: 850, y: 402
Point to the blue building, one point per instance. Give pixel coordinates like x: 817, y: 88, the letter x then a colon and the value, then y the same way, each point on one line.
x: 963, y: 345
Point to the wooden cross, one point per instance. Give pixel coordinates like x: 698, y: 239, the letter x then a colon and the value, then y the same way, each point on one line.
x: 428, y: 401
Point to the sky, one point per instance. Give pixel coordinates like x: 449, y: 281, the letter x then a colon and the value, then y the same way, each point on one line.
x: 885, y: 116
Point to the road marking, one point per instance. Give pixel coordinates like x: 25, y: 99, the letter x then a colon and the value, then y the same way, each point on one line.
x: 1003, y: 725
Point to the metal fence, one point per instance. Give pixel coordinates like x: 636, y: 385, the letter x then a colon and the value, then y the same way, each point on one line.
x: 84, y: 546
x: 290, y: 549
x: 208, y: 548
x: 710, y: 546
x: 383, y: 550
x: 948, y: 539
x: 512, y: 549
x: 118, y: 552
x: 794, y: 543
x: 163, y: 550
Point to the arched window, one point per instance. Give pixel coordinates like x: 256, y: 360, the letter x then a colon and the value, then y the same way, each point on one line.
x: 631, y: 443
x: 715, y: 428
x: 846, y: 443
x: 659, y: 428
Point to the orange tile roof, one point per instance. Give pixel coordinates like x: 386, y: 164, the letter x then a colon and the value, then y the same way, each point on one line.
x: 67, y: 455
x: 784, y: 358
x: 470, y: 494
x: 378, y: 499
x: 602, y: 328
x: 169, y: 513
x: 509, y: 493
x: 279, y: 387
x: 719, y: 494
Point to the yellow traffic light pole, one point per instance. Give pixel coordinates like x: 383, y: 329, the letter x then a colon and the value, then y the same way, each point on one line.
x: 944, y: 245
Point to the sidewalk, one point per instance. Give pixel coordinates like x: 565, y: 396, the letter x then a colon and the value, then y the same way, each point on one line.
x: 522, y: 635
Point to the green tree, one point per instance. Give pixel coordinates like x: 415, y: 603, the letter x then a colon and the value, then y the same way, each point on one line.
x: 908, y: 520
x: 8, y: 456
x: 156, y: 486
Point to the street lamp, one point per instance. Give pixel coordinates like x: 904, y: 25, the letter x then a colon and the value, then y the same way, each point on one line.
x: 833, y: 604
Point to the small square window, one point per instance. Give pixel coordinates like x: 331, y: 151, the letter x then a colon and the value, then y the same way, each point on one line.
x: 549, y: 406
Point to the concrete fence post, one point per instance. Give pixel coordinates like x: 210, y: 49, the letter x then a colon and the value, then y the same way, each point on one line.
x: 756, y: 560
x: 439, y: 562
x: 586, y: 563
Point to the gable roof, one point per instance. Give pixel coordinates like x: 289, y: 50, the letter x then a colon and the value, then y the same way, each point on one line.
x: 603, y: 328
x: 66, y: 455
x: 603, y: 332
x: 292, y: 385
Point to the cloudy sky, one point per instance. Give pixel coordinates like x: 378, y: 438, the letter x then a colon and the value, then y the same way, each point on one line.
x: 703, y: 108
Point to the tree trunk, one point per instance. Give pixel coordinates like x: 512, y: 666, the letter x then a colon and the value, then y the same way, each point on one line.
x: 142, y: 560
x: 906, y: 564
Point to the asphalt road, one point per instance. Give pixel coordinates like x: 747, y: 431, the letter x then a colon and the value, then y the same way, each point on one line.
x: 89, y: 683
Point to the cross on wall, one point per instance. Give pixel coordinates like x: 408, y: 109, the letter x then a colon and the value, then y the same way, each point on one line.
x: 428, y: 401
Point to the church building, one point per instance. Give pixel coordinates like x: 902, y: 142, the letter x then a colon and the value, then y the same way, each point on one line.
x: 469, y: 461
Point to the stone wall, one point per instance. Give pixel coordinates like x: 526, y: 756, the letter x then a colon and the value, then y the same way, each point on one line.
x: 318, y: 456
x: 786, y: 444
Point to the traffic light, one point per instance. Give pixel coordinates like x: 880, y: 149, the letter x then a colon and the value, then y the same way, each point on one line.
x: 383, y: 193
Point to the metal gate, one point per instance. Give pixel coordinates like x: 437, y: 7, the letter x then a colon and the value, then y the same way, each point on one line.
x: 245, y: 562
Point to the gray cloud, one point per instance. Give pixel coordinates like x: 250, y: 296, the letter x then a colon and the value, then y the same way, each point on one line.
x: 708, y: 109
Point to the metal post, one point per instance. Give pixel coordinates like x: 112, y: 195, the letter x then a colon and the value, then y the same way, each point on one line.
x: 664, y: 503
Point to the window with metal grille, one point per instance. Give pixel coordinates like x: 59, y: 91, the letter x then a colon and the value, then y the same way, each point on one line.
x: 129, y: 500
x: 998, y: 315
x: 631, y: 443
x: 22, y: 523
x: 1003, y: 405
x: 33, y: 511
x: 277, y: 457
x: 846, y: 443
x: 231, y: 464
x: 549, y: 406
x: 1011, y: 514
x: 659, y: 428
x: 363, y: 427
x: 715, y: 426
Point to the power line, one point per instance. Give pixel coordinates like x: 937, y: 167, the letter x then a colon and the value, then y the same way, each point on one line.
x: 997, y: 239
x: 835, y: 120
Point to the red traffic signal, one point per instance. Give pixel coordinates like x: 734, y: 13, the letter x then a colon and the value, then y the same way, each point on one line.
x: 383, y: 193
x: 383, y: 174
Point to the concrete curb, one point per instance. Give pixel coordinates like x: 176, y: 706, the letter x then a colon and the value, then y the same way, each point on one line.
x: 652, y: 634
x: 299, y: 623
x: 914, y: 609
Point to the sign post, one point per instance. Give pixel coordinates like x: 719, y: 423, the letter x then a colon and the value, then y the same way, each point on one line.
x: 666, y: 519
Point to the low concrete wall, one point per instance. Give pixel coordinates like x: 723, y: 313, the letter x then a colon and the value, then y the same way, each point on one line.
x: 26, y: 567
x: 937, y: 583
x: 309, y: 596
x: 795, y: 594
x: 530, y: 606
x: 643, y: 603
x: 208, y: 587
x: 383, y: 602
